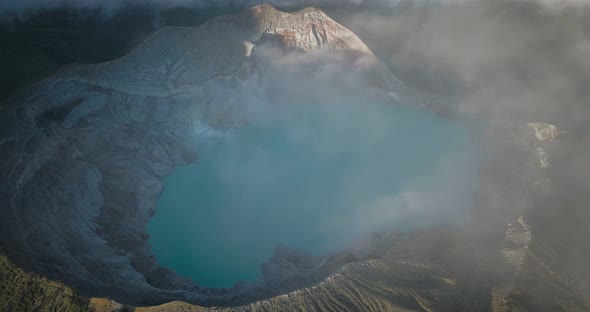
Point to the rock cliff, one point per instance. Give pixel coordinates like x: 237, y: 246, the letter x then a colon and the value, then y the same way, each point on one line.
x: 84, y: 151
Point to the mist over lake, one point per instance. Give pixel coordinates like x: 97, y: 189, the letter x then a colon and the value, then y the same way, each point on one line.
x: 318, y: 178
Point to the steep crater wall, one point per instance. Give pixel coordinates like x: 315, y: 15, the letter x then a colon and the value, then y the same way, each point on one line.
x: 84, y: 151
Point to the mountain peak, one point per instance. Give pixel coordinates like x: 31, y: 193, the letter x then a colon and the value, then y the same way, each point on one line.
x: 176, y: 58
x: 307, y: 29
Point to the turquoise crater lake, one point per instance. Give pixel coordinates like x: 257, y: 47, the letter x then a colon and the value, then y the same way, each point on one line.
x: 319, y: 180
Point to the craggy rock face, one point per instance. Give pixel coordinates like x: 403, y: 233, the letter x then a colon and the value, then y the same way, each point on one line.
x: 308, y: 30
x: 85, y: 150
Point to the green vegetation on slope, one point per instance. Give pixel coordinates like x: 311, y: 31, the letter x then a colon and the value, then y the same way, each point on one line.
x: 37, y: 42
x: 22, y: 291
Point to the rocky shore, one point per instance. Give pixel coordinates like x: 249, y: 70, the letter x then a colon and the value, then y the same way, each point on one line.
x: 85, y: 150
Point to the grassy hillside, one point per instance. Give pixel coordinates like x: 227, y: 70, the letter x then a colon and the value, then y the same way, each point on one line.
x: 22, y: 291
x: 35, y: 43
